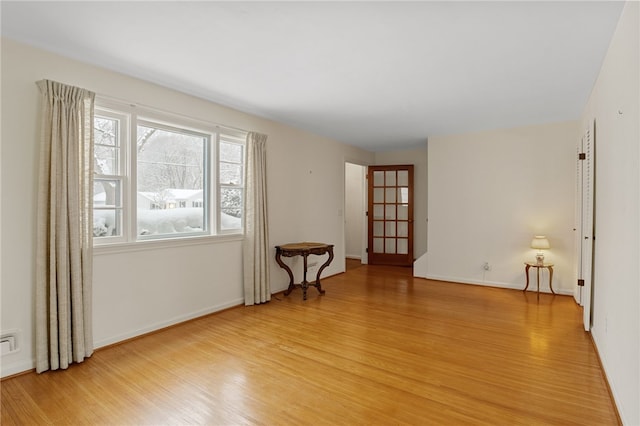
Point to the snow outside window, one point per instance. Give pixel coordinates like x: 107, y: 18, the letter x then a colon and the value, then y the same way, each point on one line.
x: 159, y: 176
x: 171, y: 165
x: 231, y: 181
x: 110, y: 130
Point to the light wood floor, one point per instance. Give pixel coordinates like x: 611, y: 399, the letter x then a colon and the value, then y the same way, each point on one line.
x: 379, y: 348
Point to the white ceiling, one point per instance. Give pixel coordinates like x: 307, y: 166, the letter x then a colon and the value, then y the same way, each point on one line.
x: 379, y: 75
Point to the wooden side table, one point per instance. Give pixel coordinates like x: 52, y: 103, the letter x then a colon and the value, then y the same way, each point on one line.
x: 548, y: 266
x: 304, y: 249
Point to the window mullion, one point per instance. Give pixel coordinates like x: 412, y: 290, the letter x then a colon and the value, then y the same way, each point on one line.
x: 214, y: 179
x: 132, y: 170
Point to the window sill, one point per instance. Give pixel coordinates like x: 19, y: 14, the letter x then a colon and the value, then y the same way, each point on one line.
x: 101, y: 249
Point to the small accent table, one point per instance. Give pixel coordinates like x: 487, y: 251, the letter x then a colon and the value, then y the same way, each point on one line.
x: 304, y: 249
x: 549, y: 266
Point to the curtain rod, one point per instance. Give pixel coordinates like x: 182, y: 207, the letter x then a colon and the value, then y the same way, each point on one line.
x: 156, y: 109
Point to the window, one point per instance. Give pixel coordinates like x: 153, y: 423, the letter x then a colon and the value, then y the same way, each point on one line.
x: 170, y: 164
x: 161, y: 177
x: 231, y: 181
x: 110, y: 130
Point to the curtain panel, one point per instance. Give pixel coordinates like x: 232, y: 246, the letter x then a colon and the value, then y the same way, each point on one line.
x: 257, y: 288
x: 64, y: 233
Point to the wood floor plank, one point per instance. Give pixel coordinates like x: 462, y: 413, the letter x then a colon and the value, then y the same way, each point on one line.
x: 380, y: 347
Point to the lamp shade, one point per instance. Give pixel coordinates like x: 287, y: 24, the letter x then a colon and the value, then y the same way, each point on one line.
x: 540, y: 242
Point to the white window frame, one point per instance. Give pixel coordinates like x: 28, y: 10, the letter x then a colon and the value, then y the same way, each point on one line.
x: 130, y: 116
x: 238, y: 139
x: 124, y: 120
x: 181, y: 126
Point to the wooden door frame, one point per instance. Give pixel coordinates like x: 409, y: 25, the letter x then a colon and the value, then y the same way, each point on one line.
x: 384, y: 258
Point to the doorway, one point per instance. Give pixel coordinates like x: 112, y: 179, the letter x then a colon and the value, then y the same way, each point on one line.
x: 355, y: 224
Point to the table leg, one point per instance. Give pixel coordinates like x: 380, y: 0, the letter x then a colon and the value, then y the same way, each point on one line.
x: 538, y: 275
x: 324, y: 265
x: 305, y: 283
x: 551, y: 279
x: 526, y: 272
x: 286, y: 268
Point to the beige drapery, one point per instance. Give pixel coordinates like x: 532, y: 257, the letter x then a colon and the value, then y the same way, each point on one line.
x: 256, y: 240
x: 64, y: 227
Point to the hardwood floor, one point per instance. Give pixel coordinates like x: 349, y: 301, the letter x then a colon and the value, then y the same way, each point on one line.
x: 352, y: 264
x: 379, y: 348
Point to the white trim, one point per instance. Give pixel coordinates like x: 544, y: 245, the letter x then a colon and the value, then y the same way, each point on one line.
x: 512, y: 286
x: 11, y: 368
x: 165, y: 243
x: 134, y: 105
x: 164, y: 324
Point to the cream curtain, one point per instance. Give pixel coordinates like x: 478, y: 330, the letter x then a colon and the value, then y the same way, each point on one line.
x: 64, y: 227
x: 256, y: 239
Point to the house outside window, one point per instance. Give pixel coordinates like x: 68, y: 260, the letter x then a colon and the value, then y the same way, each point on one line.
x: 161, y: 177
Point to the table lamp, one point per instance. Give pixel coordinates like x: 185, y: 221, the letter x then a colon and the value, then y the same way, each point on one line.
x: 540, y: 243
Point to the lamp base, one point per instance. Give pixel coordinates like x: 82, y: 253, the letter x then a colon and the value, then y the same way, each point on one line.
x: 540, y: 259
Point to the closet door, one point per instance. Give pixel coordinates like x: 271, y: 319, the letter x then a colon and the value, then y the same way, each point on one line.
x: 586, y: 226
x: 577, y: 227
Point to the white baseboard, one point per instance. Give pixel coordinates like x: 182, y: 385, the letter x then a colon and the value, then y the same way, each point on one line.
x: 9, y: 369
x: 164, y: 324
x: 513, y: 286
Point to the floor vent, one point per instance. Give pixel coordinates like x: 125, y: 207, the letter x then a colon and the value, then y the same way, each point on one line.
x: 9, y: 342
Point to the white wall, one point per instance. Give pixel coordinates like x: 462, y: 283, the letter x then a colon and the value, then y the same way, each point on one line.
x: 417, y: 157
x: 354, y: 209
x: 489, y: 193
x: 614, y: 105
x: 138, y: 291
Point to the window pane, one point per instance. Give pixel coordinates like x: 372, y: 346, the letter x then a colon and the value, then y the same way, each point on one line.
x: 107, y: 192
x: 171, y: 168
x: 231, y: 152
x: 378, y: 195
x: 378, y: 228
x: 231, y: 181
x: 390, y: 245
x: 390, y: 196
x: 390, y: 229
x: 107, y: 223
x: 403, y: 195
x: 106, y: 160
x: 403, y: 178
x: 403, y: 212
x: 169, y: 220
x: 390, y: 178
x: 105, y: 131
x: 230, y: 208
x: 228, y: 220
x: 403, y: 229
x: 230, y: 174
x: 378, y: 211
x: 107, y: 207
x: 378, y: 245
x: 390, y: 212
x: 106, y: 145
x: 403, y: 246
x: 231, y: 198
x: 378, y: 178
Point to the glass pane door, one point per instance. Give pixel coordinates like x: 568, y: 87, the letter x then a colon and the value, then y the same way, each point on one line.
x: 390, y: 215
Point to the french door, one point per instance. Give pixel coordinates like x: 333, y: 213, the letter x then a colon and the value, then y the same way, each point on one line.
x: 390, y: 215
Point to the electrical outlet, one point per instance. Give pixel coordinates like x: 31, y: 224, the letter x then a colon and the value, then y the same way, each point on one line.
x: 486, y: 266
